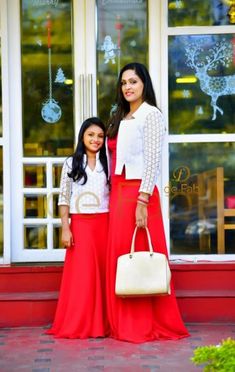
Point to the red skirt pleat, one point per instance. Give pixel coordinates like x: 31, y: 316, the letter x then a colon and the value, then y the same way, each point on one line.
x: 146, y: 318
x: 81, y: 309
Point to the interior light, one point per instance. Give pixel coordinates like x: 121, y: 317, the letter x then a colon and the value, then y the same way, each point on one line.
x: 186, y: 80
x: 68, y: 81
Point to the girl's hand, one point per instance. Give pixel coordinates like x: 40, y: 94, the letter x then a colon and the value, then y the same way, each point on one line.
x: 141, y: 215
x: 67, y: 237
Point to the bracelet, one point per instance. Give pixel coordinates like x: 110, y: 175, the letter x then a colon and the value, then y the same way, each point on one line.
x: 141, y: 199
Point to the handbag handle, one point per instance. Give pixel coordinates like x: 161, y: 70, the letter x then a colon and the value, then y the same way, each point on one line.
x: 133, y: 242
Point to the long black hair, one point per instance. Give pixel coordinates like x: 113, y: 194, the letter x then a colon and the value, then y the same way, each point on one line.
x: 122, y: 106
x: 78, y: 168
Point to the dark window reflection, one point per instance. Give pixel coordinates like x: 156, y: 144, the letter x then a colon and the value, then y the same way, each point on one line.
x: 55, y: 206
x: 47, y: 73
x: 34, y: 175
x: 1, y: 203
x: 56, y: 173
x: 200, y: 13
x: 201, y: 84
x: 57, y: 237
x: 35, y: 237
x: 35, y: 206
x: 201, y: 191
x: 0, y: 90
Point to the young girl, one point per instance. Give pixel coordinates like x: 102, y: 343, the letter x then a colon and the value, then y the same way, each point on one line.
x: 84, y: 197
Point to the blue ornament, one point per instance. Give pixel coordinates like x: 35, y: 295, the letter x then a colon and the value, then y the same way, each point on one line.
x: 51, y: 112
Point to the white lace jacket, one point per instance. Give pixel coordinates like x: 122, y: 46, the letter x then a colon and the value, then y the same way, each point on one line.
x: 139, y: 146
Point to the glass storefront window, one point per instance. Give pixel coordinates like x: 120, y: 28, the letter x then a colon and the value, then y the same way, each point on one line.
x: 0, y: 90
x: 35, y: 237
x: 34, y: 175
x: 1, y: 203
x: 122, y: 37
x: 201, y: 191
x: 1, y: 161
x: 201, y: 84
x: 47, y: 73
x: 200, y: 13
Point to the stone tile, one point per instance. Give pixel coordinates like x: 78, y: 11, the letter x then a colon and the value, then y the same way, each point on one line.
x: 30, y: 350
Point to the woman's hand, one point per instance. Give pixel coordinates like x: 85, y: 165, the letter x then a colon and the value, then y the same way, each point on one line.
x: 141, y: 215
x: 67, y: 237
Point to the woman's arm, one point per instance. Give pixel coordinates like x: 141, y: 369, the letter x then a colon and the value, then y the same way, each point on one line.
x: 154, y: 131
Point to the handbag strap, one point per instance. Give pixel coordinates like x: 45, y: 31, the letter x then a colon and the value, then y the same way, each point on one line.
x: 133, y: 242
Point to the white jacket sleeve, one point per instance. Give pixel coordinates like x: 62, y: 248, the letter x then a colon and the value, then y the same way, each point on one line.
x: 65, y: 185
x: 154, y: 130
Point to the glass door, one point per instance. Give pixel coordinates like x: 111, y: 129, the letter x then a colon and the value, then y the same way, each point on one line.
x: 47, y: 115
x: 66, y: 56
x: 122, y: 37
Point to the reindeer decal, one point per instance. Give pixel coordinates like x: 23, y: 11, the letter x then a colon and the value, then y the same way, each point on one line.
x: 214, y: 86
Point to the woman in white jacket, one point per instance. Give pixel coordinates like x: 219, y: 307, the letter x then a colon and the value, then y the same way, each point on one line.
x: 135, y: 135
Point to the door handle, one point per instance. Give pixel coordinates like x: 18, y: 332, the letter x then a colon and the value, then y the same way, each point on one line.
x: 89, y: 95
x: 82, y: 97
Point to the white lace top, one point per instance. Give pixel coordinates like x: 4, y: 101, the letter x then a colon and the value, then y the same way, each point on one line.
x: 139, y: 146
x: 154, y: 130
x: 93, y: 197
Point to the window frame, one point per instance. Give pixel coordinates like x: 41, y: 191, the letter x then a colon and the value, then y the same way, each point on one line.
x: 5, y: 139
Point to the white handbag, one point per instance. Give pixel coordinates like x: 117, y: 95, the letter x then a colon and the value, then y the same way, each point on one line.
x: 144, y: 273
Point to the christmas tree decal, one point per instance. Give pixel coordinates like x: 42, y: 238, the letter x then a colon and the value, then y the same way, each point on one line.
x: 60, y: 77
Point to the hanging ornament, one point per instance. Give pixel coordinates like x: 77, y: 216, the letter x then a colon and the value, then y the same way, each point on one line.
x: 51, y: 111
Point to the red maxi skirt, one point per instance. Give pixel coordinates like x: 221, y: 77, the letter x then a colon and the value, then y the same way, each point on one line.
x: 146, y: 318
x: 81, y: 309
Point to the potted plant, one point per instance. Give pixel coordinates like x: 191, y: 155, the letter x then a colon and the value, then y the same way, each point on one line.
x: 216, y: 357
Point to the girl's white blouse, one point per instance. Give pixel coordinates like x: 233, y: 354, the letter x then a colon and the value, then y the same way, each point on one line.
x: 93, y: 197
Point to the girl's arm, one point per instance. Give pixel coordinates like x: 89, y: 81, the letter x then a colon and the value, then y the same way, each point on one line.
x: 64, y: 205
x: 66, y: 236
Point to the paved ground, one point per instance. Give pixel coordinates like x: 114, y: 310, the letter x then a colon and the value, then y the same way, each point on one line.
x: 30, y: 350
